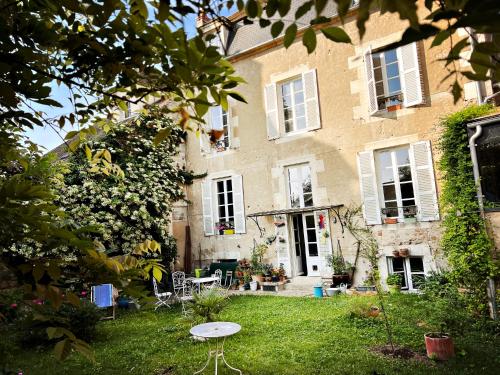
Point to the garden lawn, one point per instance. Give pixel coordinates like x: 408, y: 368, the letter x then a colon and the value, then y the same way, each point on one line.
x: 280, y: 335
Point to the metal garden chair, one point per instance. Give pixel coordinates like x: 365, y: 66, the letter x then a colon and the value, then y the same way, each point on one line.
x: 161, y: 298
x: 178, y: 280
x: 187, y: 294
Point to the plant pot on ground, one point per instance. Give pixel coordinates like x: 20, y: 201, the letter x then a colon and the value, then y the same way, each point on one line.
x: 391, y: 220
x: 439, y: 346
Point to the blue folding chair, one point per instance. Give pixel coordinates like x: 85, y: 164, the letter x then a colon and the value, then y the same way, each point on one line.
x: 104, y: 296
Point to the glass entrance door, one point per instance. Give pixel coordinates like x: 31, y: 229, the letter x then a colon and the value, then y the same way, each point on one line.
x: 311, y: 244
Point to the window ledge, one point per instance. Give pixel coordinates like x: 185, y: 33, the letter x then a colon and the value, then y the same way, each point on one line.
x: 217, y: 154
x: 289, y: 137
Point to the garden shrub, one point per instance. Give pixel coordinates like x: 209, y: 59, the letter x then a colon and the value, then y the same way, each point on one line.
x: 465, y: 240
x: 207, y: 305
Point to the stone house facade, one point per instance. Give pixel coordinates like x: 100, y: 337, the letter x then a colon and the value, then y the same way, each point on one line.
x: 345, y: 126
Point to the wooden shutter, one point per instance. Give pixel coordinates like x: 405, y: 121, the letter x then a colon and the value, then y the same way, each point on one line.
x: 282, y: 243
x: 409, y: 71
x: 272, y: 121
x: 424, y: 183
x: 310, y: 84
x: 368, y: 186
x: 208, y: 219
x: 238, y: 204
x: 370, y: 81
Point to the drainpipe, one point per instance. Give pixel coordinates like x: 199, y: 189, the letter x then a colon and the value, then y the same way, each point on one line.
x: 490, y: 289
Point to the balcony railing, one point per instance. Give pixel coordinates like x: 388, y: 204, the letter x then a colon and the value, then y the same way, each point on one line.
x: 407, y: 211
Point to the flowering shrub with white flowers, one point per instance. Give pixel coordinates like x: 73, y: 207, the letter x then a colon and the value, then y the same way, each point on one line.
x: 129, y: 209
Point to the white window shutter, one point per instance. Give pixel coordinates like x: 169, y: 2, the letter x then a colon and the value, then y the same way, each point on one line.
x: 216, y: 118
x: 310, y: 84
x: 368, y: 186
x: 424, y: 183
x: 370, y: 80
x: 208, y: 219
x: 239, y: 204
x: 272, y: 121
x: 409, y: 71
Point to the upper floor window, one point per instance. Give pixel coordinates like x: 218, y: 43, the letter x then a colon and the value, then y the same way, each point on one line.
x: 393, y: 78
x: 225, y: 207
x: 300, y: 188
x: 292, y: 95
x: 395, y: 181
x: 292, y: 105
x: 219, y: 125
x: 398, y: 183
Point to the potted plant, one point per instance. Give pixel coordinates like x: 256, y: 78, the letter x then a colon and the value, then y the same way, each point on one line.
x: 390, y: 215
x: 395, y: 253
x: 246, y: 280
x: 394, y: 283
x: 404, y: 252
x: 225, y: 227
x: 282, y: 272
x: 275, y: 275
x: 341, y: 269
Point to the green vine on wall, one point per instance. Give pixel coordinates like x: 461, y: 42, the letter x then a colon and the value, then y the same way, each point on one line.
x: 465, y: 240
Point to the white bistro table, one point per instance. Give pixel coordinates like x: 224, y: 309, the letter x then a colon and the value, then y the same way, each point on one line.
x: 217, y: 331
x: 203, y: 280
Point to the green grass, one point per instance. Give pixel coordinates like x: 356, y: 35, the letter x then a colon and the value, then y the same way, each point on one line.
x: 279, y: 335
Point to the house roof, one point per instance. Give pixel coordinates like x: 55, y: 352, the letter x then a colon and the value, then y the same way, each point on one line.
x: 243, y: 37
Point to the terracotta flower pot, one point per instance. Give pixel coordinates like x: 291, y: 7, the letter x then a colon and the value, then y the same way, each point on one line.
x: 395, y: 253
x: 439, y: 346
x: 391, y: 220
x: 404, y: 252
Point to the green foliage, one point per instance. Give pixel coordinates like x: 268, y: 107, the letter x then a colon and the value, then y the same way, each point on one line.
x: 465, y: 240
x: 338, y: 264
x: 129, y: 210
x: 207, y: 305
x: 394, y: 279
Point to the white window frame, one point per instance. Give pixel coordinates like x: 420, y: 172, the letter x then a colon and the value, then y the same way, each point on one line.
x: 385, y: 79
x: 226, y: 205
x: 293, y: 105
x: 289, y: 190
x: 397, y: 184
x: 407, y: 272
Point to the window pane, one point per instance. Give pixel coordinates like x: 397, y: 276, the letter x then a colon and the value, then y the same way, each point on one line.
x: 417, y: 280
x: 404, y: 173
x: 409, y: 202
x: 311, y: 235
x: 392, y: 70
x: 398, y: 264
x: 299, y: 98
x: 230, y: 210
x: 407, y: 191
x: 220, y: 198
x: 220, y: 186
x: 378, y: 74
x: 379, y: 88
x: 488, y: 152
x: 288, y: 113
x: 293, y: 174
x: 394, y: 85
x: 300, y: 110
x: 313, y: 250
x: 402, y: 156
x: 416, y: 264
x: 230, y: 198
x: 376, y: 60
x: 286, y: 89
x: 389, y: 192
x: 222, y: 213
x: 390, y: 56
x: 297, y: 85
x: 301, y: 123
x: 308, y: 200
x: 288, y: 126
x: 310, y: 221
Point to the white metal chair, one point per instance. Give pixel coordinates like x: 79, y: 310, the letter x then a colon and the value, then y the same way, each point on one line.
x: 187, y: 294
x: 178, y: 279
x: 218, y: 282
x: 161, y: 298
x: 228, y: 280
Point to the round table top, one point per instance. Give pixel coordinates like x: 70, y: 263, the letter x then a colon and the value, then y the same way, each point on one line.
x: 215, y: 329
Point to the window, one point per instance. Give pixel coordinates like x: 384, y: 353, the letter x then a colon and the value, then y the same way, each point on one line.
x: 395, y: 181
x: 387, y: 81
x: 399, y: 183
x: 393, y: 78
x: 411, y: 270
x: 299, y: 184
x: 292, y: 105
x: 292, y: 95
x: 225, y: 206
x: 219, y: 126
x: 488, y: 159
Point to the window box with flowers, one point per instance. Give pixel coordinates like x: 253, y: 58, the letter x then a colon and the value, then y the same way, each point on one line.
x: 225, y: 227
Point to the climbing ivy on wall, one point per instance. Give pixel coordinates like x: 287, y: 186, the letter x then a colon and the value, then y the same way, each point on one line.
x: 465, y: 240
